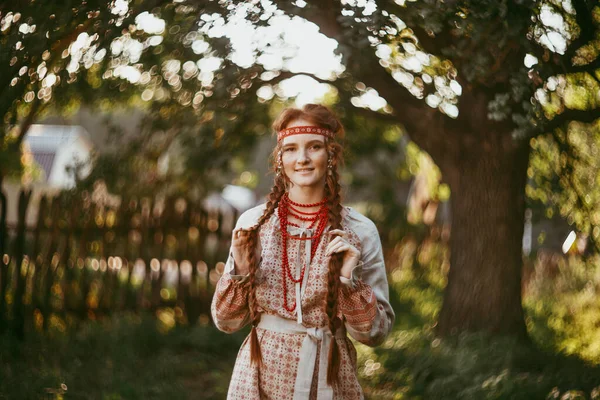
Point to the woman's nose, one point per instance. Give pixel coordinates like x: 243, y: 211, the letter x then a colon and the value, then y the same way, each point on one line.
x: 303, y: 157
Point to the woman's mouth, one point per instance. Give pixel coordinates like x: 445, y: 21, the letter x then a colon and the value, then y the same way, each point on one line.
x: 304, y: 170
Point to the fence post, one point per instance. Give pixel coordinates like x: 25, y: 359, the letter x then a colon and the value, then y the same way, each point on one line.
x: 66, y: 275
x: 18, y: 305
x: 182, y: 253
x: 87, y: 217
x: 36, y: 253
x: 3, y: 267
x: 49, y: 261
x: 130, y: 251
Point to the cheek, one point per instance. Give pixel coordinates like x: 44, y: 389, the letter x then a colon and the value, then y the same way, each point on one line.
x: 288, y: 161
x: 321, y: 159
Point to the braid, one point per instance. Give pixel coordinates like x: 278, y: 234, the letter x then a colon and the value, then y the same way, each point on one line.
x: 273, y: 199
x: 333, y: 189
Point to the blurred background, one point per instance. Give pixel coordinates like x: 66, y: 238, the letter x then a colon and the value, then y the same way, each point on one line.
x: 135, y: 132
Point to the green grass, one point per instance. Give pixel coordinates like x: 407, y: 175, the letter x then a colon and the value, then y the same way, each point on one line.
x: 415, y: 365
x: 125, y: 357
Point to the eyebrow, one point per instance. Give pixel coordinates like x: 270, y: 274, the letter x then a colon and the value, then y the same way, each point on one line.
x: 308, y: 143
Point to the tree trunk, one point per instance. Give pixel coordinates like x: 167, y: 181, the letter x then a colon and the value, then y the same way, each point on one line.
x: 488, y: 215
x: 3, y: 248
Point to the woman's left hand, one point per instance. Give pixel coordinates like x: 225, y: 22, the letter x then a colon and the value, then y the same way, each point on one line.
x: 340, y: 244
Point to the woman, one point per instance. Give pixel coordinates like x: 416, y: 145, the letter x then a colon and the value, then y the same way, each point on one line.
x: 303, y: 270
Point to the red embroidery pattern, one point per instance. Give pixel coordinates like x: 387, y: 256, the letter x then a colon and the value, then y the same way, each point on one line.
x: 296, y: 130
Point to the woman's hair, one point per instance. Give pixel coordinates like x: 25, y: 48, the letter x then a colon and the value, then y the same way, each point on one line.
x: 323, y: 117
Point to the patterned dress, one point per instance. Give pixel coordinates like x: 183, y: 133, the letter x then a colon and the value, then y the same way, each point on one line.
x: 363, y: 306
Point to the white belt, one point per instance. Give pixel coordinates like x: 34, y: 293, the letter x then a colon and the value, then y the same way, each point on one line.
x: 308, y: 353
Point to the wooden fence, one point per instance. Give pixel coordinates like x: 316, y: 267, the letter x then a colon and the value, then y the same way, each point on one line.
x: 82, y: 260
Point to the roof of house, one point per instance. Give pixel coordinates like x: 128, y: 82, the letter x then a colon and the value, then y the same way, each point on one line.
x: 45, y: 159
x: 45, y: 141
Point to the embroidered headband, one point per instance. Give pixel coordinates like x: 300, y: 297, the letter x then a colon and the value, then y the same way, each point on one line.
x: 297, y: 130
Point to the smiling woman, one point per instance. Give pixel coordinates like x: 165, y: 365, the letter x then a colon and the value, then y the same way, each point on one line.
x: 305, y: 271
x: 304, y: 159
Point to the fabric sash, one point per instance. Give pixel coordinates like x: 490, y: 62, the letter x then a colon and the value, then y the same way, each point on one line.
x: 308, y: 353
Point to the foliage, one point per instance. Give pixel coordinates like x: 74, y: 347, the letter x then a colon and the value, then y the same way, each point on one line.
x: 570, y: 324
x: 413, y: 363
x: 125, y: 357
x: 99, y: 54
x: 564, y: 173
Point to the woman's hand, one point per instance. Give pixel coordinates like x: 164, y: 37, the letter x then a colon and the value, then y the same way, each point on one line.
x: 240, y: 249
x: 341, y: 245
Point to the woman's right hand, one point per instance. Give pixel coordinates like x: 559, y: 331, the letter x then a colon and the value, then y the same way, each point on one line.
x: 240, y: 250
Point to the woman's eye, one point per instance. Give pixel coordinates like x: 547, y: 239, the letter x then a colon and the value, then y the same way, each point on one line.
x: 317, y: 147
x: 288, y: 149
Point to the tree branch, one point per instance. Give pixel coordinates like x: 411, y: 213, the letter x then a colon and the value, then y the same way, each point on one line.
x: 585, y: 116
x: 589, y: 67
x: 413, y: 113
x: 28, y: 121
x: 583, y: 10
x: 283, y: 75
x: 366, y: 112
x: 431, y: 43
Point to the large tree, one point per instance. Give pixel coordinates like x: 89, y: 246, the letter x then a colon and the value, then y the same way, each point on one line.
x: 471, y: 83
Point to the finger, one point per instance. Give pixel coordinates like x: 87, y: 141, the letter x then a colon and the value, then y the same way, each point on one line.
x: 339, y: 249
x: 336, y: 248
x: 339, y: 232
x: 244, y: 231
x: 240, y: 234
x: 335, y: 240
x: 332, y: 244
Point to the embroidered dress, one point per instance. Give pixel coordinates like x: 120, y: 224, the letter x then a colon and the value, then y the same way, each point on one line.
x: 294, y: 345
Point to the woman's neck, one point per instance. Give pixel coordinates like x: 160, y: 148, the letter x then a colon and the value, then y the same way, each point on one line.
x: 306, y: 195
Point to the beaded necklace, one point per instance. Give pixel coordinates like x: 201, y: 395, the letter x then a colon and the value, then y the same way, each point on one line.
x: 289, y: 208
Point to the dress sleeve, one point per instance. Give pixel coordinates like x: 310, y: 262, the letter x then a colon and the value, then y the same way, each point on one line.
x: 229, y: 307
x: 364, y: 298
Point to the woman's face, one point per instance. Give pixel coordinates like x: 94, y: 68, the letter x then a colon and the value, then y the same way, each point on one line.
x: 304, y: 157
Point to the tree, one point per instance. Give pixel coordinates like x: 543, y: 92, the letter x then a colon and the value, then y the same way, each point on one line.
x: 475, y: 49
x: 453, y: 75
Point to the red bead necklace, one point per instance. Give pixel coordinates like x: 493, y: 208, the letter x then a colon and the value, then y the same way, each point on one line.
x: 319, y: 218
x: 302, y: 212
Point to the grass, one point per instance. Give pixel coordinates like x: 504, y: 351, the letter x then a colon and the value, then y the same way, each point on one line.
x: 125, y: 357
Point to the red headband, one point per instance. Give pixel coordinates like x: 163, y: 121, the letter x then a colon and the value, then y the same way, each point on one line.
x: 296, y: 130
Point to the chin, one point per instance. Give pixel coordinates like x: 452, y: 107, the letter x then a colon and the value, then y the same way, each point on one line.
x: 311, y: 183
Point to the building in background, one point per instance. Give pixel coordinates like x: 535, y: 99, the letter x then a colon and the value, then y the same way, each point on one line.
x: 54, y: 148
